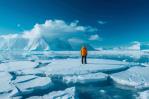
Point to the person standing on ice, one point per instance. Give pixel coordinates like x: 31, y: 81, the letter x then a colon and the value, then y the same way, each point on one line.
x: 84, y: 54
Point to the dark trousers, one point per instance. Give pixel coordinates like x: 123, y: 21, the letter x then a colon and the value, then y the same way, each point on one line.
x: 84, y: 60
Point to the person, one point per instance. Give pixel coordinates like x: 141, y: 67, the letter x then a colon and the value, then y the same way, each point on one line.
x: 84, y: 55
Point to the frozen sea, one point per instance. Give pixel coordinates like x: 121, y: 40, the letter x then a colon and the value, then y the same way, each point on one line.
x: 109, y: 74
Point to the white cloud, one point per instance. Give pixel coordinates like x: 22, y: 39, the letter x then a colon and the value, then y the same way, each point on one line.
x: 102, y: 22
x: 135, y: 45
x: 58, y: 28
x: 9, y: 36
x: 94, y: 37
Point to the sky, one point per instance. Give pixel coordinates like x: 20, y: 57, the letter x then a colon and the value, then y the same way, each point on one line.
x: 107, y: 22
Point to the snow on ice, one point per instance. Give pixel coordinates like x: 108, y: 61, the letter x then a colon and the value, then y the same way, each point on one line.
x: 83, y: 79
x: 74, y: 66
x: 17, y: 65
x: 68, y: 93
x: 58, y: 77
x: 137, y: 77
x: 5, y: 85
x: 23, y: 78
x: 27, y: 87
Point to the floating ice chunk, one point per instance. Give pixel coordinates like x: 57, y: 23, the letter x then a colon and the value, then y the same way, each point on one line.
x: 68, y: 93
x: 5, y: 96
x: 74, y: 66
x: 5, y: 86
x: 83, y: 79
x: 143, y: 95
x: 17, y: 65
x: 38, y: 84
x: 135, y: 77
x: 36, y: 72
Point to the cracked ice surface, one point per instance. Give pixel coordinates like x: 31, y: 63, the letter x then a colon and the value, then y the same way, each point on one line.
x: 17, y: 65
x: 137, y: 77
x: 23, y: 78
x: 40, y: 83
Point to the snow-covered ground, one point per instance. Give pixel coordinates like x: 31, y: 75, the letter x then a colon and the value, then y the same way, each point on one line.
x: 60, y: 75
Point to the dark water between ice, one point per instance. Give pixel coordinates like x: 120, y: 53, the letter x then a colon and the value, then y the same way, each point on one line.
x: 104, y: 92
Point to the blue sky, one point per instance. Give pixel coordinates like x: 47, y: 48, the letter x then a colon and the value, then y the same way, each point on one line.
x: 118, y: 21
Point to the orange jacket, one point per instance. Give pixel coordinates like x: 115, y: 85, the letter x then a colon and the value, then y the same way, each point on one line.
x: 83, y: 51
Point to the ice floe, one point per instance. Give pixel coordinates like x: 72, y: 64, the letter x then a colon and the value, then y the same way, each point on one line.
x: 137, y: 77
x: 17, y: 65
x: 143, y: 95
x: 68, y: 93
x: 84, y: 79
x: 5, y: 82
x: 27, y: 87
x: 74, y: 66
x: 48, y: 79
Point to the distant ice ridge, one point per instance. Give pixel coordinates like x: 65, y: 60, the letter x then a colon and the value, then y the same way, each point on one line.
x: 39, y: 43
x: 54, y: 35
